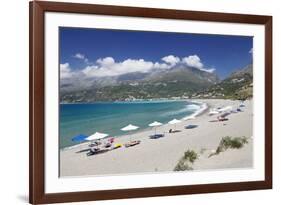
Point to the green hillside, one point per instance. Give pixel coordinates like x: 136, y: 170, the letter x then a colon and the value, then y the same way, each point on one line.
x: 177, y: 83
x: 239, y: 85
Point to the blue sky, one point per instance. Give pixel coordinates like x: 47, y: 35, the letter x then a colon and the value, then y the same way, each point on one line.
x: 89, y: 49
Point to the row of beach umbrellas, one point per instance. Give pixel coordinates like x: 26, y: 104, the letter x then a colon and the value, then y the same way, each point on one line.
x: 130, y: 127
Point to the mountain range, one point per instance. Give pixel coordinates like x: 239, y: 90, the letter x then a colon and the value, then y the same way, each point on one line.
x: 238, y: 85
x: 177, y: 82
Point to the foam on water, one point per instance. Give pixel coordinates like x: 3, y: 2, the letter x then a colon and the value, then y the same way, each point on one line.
x: 200, y: 109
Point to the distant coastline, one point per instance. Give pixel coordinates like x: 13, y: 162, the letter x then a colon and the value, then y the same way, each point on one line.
x: 173, y: 99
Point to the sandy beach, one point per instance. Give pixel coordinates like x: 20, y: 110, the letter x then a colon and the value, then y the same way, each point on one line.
x: 162, y: 154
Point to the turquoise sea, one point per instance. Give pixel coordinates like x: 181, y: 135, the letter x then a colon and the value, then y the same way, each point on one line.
x: 110, y: 117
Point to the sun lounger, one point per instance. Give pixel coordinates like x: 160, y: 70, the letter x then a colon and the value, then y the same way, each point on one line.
x: 190, y: 126
x: 174, y: 131
x: 107, y: 144
x: 116, y: 146
x: 132, y: 143
x: 156, y: 136
x: 94, y: 144
x: 222, y: 119
x: 239, y: 110
x: 95, y: 150
x: 219, y: 120
x: 224, y: 115
x: 111, y: 140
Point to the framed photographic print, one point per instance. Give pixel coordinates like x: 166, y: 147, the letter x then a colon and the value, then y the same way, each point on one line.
x: 138, y: 102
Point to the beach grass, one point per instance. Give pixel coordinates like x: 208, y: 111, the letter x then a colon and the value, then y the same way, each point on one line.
x: 228, y: 142
x: 185, y: 162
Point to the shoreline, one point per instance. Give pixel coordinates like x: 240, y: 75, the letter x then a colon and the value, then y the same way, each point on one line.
x: 204, y: 107
x: 128, y: 101
x: 155, y: 155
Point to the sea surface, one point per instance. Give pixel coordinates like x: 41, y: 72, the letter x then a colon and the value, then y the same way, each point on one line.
x: 110, y: 117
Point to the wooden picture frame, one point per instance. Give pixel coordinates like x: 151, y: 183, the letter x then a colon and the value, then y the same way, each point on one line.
x: 37, y: 194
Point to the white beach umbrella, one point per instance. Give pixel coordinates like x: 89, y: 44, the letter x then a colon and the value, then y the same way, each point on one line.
x: 155, y: 124
x: 174, y: 122
x: 96, y: 136
x: 213, y: 112
x: 129, y: 127
x: 225, y: 109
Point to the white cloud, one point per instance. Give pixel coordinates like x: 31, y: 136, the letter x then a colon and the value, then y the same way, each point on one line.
x: 209, y: 70
x: 195, y: 61
x: 81, y: 57
x: 108, y: 61
x: 173, y: 60
x: 132, y: 65
x: 89, y: 70
x: 104, y: 67
x: 161, y: 66
x: 108, y: 67
x: 65, y: 71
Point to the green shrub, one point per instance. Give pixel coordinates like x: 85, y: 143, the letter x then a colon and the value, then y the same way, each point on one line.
x: 234, y: 143
x: 190, y: 155
x: 182, y: 166
x: 218, y: 150
x: 184, y: 163
x: 230, y: 143
x: 244, y: 140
